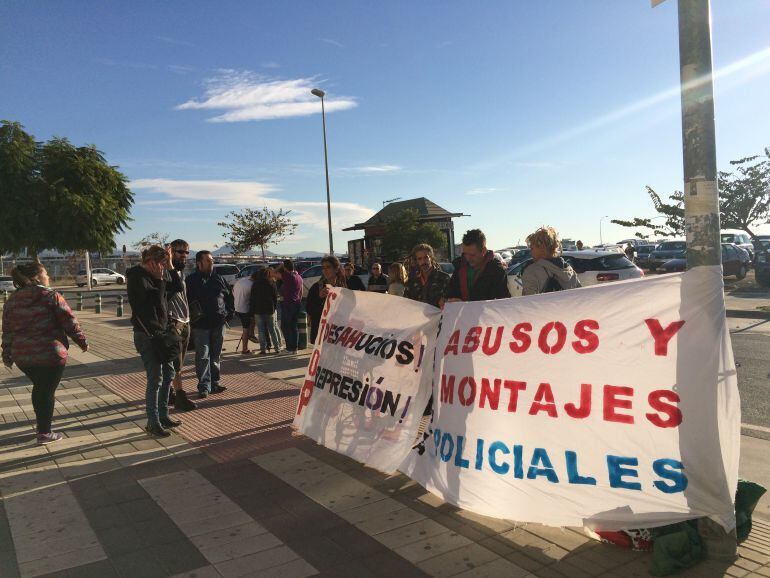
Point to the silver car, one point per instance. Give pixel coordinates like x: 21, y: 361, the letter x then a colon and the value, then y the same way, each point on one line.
x: 99, y: 276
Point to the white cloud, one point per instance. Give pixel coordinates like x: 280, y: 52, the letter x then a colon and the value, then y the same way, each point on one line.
x: 377, y: 169
x: 332, y: 42
x: 482, y: 191
x: 180, y: 68
x: 158, y: 202
x: 246, y: 96
x: 270, y: 64
x: 238, y: 194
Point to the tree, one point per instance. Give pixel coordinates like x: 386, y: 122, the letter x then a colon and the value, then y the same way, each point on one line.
x: 151, y: 239
x: 744, y: 200
x: 404, y: 230
x: 257, y: 228
x: 57, y: 196
x: 673, y: 213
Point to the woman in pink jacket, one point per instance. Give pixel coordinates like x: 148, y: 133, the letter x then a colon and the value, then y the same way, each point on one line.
x: 36, y: 323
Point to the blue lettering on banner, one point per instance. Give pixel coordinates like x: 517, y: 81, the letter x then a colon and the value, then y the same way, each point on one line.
x: 572, y: 471
x: 504, y: 459
x: 617, y: 471
x: 660, y: 467
x: 540, y: 456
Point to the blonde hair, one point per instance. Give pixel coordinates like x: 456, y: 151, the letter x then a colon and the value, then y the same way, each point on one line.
x: 545, y: 237
x: 397, y: 273
x: 154, y: 253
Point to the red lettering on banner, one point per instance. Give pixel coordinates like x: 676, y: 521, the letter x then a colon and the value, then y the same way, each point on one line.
x: 584, y: 331
x: 304, y: 395
x: 312, y: 367
x: 472, y: 340
x: 447, y: 388
x: 454, y: 341
x: 658, y: 401
x: 612, y: 402
x: 328, y: 303
x: 492, y: 349
x: 544, y: 401
x: 584, y: 410
x: 514, y: 387
x: 466, y: 391
x: 521, y: 337
x: 489, y: 394
x: 561, y: 337
x: 663, y: 336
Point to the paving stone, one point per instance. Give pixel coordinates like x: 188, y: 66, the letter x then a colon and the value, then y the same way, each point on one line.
x: 61, y: 562
x: 203, y: 572
x: 256, y: 563
x: 432, y: 546
x: 495, y: 569
x: 411, y: 533
x: 458, y: 559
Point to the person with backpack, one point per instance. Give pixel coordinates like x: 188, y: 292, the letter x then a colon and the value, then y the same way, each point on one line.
x: 547, y: 272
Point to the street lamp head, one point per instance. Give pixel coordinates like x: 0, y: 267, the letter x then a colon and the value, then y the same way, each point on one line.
x: 318, y: 92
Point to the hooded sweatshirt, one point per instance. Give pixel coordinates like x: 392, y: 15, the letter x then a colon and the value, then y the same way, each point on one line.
x: 36, y: 323
x: 537, y: 275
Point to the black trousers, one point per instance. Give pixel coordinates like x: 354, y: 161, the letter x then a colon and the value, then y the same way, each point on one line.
x: 45, y: 380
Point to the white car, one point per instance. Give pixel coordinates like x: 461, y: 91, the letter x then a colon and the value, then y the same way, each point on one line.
x: 228, y: 272
x: 6, y: 283
x: 313, y: 274
x: 592, y: 268
x: 99, y: 276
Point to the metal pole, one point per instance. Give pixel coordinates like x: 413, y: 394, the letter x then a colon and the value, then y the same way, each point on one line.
x: 88, y: 270
x: 701, y: 196
x: 326, y: 166
x: 601, y: 240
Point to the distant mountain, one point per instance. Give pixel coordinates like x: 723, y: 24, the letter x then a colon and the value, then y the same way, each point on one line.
x: 309, y: 255
x: 228, y: 250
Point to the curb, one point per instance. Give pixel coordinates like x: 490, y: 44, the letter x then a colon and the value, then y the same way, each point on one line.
x: 748, y: 314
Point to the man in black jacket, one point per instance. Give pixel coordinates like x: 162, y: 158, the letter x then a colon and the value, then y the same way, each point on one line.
x: 354, y: 281
x: 149, y: 286
x: 211, y: 307
x: 478, y: 275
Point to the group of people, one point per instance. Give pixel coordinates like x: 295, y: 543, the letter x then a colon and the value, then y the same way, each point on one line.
x: 477, y: 275
x: 169, y: 309
x: 257, y: 303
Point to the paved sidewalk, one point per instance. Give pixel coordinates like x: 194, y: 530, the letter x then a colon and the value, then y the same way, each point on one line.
x: 235, y: 494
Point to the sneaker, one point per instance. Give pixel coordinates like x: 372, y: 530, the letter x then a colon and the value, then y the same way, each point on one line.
x: 277, y: 352
x: 48, y: 438
x: 262, y: 352
x: 157, y: 431
x: 167, y: 422
x: 217, y: 389
x: 183, y: 403
x: 203, y: 394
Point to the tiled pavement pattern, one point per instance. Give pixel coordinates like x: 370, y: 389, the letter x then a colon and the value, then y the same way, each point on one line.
x: 237, y: 495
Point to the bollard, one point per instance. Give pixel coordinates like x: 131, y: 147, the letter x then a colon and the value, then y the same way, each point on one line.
x: 79, y: 306
x: 301, y: 330
x: 98, y: 308
x: 120, y: 305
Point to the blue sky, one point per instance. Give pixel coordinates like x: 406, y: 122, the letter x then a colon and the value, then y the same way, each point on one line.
x: 517, y: 113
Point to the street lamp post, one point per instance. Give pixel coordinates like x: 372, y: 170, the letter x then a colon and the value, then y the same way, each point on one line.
x: 601, y: 241
x: 320, y: 94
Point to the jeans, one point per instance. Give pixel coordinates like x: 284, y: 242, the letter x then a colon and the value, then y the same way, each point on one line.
x: 45, y: 380
x: 208, y: 354
x: 289, y: 313
x: 159, y: 376
x: 267, y: 326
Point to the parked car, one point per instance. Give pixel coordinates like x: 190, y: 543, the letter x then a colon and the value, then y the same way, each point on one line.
x: 665, y: 252
x: 313, y: 274
x: 447, y: 268
x: 735, y: 261
x: 643, y: 253
x: 740, y: 238
x: 592, y: 268
x: 6, y: 283
x: 99, y: 276
x: 519, y: 257
x: 227, y: 271
x: 248, y: 270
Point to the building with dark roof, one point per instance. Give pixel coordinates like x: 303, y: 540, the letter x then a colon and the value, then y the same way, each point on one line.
x: 369, y: 249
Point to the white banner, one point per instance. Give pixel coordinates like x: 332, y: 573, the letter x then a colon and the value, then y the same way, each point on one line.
x: 610, y: 407
x: 369, y: 377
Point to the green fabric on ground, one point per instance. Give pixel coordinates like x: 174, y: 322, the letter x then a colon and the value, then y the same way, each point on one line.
x: 675, y: 548
x: 746, y: 498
